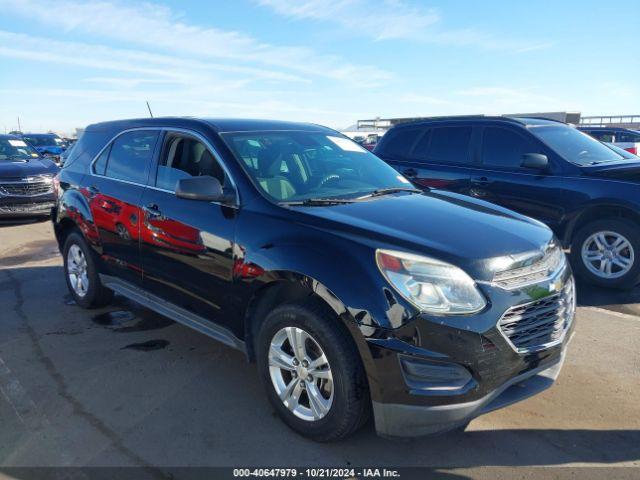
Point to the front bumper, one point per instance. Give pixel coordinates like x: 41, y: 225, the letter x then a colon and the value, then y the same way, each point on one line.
x: 397, y: 420
x: 433, y: 373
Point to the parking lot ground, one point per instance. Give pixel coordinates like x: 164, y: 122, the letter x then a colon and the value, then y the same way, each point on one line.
x: 122, y: 386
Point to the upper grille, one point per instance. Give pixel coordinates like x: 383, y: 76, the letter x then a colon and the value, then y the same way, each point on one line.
x: 26, y: 189
x: 540, y: 324
x: 545, y: 266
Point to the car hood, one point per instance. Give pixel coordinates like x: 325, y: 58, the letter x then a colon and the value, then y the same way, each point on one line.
x: 623, y: 170
x: 36, y: 166
x: 455, y: 228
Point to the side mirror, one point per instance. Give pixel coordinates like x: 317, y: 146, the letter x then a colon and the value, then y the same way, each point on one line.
x: 205, y: 188
x: 537, y: 161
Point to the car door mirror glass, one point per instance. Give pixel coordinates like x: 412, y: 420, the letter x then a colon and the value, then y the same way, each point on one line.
x: 536, y: 161
x: 203, y: 188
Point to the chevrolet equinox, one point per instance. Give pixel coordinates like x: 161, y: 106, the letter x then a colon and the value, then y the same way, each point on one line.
x: 354, y: 292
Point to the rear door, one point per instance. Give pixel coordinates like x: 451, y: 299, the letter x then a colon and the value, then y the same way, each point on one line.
x: 114, y: 189
x: 503, y: 181
x: 187, y: 246
x: 438, y: 157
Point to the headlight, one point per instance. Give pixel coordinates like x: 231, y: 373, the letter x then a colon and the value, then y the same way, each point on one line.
x: 432, y: 285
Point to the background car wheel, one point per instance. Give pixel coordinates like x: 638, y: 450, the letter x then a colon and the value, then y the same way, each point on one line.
x: 81, y: 274
x: 607, y: 253
x: 312, y: 371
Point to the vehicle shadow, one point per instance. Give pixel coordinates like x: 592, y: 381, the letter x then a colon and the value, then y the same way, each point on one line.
x: 193, y: 401
x: 623, y: 301
x: 15, y: 222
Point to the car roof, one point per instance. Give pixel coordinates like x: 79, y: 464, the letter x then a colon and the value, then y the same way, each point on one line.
x: 524, y: 121
x: 219, y: 125
x: 39, y: 135
x: 599, y: 127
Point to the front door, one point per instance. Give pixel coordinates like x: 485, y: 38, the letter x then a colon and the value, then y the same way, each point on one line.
x: 502, y: 180
x: 114, y: 191
x: 187, y: 246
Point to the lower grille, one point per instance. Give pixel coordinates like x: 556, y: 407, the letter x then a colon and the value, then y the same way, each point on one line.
x: 540, y: 324
x: 26, y: 189
x: 20, y: 208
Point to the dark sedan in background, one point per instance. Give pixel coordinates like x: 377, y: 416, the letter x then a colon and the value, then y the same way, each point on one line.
x: 26, y: 180
x: 585, y: 191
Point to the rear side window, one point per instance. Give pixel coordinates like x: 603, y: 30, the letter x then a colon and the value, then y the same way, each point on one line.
x: 100, y: 166
x: 627, y: 137
x: 400, y: 141
x: 504, y: 148
x: 450, y: 145
x: 130, y: 156
x: 421, y: 149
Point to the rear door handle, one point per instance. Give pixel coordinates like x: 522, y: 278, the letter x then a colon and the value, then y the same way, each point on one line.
x: 480, y: 181
x: 93, y: 190
x: 410, y: 172
x: 152, y: 211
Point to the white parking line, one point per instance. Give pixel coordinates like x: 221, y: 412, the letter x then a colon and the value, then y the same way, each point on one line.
x: 627, y: 316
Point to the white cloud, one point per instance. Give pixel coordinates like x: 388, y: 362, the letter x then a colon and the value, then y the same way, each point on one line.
x: 158, y: 28
x: 394, y: 19
x: 386, y: 19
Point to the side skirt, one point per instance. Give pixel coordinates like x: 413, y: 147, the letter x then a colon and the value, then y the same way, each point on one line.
x: 175, y: 313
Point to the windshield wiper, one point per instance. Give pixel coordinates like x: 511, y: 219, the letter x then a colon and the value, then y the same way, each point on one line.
x: 386, y: 191
x: 319, y: 201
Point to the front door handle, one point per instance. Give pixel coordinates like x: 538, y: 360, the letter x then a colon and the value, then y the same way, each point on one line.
x: 410, y: 172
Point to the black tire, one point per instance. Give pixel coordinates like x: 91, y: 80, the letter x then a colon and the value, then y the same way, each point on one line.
x: 626, y: 228
x: 351, y: 404
x: 97, y: 295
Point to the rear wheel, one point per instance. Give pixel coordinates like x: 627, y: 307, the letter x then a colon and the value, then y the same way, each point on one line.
x: 82, y: 275
x: 312, y: 371
x: 607, y: 253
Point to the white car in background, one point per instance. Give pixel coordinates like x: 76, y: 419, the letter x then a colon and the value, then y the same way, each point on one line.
x: 624, y: 138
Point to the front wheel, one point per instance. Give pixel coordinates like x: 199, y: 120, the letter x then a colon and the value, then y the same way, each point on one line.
x: 312, y: 371
x: 607, y: 253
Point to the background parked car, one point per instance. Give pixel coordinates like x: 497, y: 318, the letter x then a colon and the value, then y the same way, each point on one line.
x: 26, y: 180
x: 586, y: 192
x: 48, y: 144
x: 624, y: 138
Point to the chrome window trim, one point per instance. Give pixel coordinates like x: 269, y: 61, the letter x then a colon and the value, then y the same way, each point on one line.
x: 186, y: 131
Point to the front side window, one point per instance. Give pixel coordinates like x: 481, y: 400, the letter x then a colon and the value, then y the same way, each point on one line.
x: 299, y: 165
x: 450, y: 144
x: 184, y: 157
x: 130, y: 156
x: 574, y: 146
x: 15, y: 149
x: 504, y: 148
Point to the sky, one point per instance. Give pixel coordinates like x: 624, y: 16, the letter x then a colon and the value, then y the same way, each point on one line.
x: 69, y: 63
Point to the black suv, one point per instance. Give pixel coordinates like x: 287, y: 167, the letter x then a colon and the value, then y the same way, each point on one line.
x: 26, y: 180
x: 586, y: 192
x: 351, y: 289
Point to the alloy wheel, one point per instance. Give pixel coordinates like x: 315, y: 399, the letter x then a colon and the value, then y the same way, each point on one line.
x: 607, y: 254
x: 77, y: 270
x: 301, y: 374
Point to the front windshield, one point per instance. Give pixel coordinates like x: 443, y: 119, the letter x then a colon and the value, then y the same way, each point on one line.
x: 574, y: 145
x: 41, y: 140
x: 291, y: 166
x: 14, y: 149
